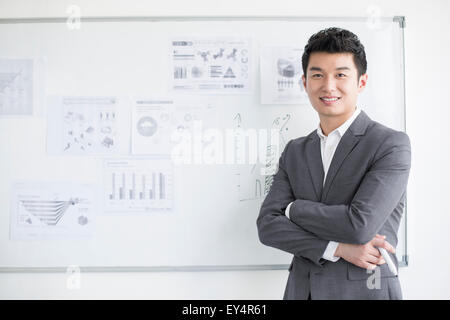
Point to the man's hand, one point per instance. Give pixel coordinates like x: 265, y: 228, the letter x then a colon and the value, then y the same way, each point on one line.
x: 365, y: 256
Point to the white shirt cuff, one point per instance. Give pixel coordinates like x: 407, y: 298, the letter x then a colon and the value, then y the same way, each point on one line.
x: 330, y: 250
x: 286, y: 212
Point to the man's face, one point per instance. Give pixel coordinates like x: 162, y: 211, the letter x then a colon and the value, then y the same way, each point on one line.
x: 332, y: 84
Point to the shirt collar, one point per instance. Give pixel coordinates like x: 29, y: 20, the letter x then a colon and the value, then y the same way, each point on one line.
x: 343, y: 128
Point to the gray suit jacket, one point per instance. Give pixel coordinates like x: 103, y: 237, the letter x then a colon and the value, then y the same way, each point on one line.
x: 364, y: 194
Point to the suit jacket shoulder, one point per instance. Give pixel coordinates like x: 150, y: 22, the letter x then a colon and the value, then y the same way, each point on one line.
x: 385, y: 138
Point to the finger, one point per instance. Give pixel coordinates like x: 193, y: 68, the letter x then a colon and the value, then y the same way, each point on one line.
x: 373, y: 259
x: 388, y: 247
x: 379, y: 259
x: 378, y: 242
x: 373, y: 251
x: 381, y: 243
x: 369, y: 266
x: 372, y: 248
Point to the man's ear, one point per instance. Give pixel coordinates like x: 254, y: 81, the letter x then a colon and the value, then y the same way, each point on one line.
x: 362, y: 82
x: 304, y: 82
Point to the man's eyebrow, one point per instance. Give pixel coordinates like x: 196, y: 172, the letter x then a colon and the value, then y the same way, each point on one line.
x: 319, y: 69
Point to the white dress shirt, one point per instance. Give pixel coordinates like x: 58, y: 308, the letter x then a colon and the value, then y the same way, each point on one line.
x: 328, y: 145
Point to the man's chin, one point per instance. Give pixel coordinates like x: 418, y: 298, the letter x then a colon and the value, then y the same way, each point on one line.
x: 329, y: 111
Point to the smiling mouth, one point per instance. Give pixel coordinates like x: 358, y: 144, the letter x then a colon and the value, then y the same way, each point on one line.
x: 331, y: 99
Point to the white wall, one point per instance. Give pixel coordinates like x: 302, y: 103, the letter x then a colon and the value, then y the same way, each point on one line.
x: 427, y: 81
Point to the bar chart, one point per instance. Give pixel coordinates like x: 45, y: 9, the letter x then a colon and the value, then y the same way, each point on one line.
x: 138, y: 185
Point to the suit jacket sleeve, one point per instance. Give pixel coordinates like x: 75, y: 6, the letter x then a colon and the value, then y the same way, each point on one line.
x: 379, y: 193
x: 276, y: 230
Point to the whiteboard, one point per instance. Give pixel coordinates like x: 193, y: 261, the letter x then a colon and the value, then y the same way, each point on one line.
x: 210, y: 224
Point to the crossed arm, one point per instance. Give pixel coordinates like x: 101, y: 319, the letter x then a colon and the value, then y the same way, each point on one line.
x: 276, y: 230
x: 313, y: 224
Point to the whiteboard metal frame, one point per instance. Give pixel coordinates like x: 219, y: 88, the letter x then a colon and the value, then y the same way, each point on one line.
x: 399, y: 19
x: 403, y: 262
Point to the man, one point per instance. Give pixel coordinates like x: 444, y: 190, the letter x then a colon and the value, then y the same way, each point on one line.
x: 339, y: 192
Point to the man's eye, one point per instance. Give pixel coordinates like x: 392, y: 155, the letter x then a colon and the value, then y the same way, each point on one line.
x: 316, y: 75
x: 341, y: 75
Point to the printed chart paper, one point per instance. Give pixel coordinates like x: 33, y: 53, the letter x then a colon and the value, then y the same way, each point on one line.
x: 281, y: 75
x: 157, y: 125
x: 132, y: 185
x: 16, y: 87
x: 42, y: 211
x: 84, y: 126
x: 207, y: 65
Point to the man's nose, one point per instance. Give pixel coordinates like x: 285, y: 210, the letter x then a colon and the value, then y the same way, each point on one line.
x: 329, y: 84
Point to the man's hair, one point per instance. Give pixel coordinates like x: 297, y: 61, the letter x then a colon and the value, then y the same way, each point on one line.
x: 336, y: 40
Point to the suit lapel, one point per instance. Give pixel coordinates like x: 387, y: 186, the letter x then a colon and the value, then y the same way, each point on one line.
x: 314, y: 162
x: 346, y: 145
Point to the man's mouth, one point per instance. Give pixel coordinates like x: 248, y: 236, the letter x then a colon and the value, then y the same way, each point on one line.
x: 329, y: 101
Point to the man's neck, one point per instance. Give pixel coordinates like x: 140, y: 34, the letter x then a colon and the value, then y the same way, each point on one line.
x: 328, y: 124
